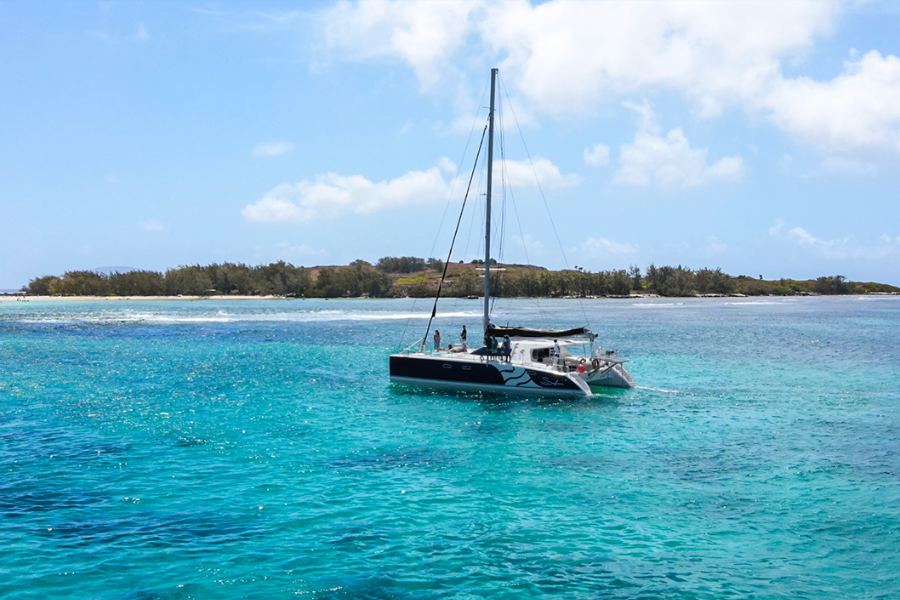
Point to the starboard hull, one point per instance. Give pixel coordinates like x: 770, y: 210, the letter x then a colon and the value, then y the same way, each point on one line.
x: 615, y: 376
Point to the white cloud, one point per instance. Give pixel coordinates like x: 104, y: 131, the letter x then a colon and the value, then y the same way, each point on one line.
x: 562, y: 57
x: 601, y: 248
x: 332, y: 195
x: 596, y: 156
x: 777, y: 227
x: 151, y: 225
x: 423, y: 34
x: 526, y: 174
x: 267, y: 149
x: 859, y: 109
x: 669, y: 161
x: 141, y: 34
x: 804, y: 238
x: 845, y: 248
x: 567, y: 56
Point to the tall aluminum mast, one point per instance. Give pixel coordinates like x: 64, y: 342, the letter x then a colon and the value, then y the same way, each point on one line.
x: 487, y: 214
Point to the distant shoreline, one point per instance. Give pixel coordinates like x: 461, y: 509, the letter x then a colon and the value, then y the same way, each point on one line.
x: 11, y: 298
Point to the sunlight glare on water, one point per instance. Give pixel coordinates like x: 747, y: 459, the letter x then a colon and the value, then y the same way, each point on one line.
x: 223, y: 449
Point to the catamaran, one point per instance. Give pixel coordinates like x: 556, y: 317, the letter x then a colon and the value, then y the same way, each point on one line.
x: 528, y: 362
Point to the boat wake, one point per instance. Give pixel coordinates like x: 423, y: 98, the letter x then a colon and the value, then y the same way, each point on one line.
x: 653, y: 389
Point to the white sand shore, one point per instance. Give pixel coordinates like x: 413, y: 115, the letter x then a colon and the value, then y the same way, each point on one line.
x: 6, y: 299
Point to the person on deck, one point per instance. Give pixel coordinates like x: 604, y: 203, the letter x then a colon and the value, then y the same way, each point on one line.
x: 507, y: 348
x: 555, y: 352
x: 462, y: 335
x: 437, y: 340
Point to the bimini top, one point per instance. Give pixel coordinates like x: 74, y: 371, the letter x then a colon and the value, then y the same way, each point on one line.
x: 524, y: 332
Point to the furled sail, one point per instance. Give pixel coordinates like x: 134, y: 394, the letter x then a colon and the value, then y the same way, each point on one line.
x: 525, y: 332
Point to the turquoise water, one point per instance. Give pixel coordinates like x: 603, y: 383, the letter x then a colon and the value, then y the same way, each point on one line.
x: 254, y: 449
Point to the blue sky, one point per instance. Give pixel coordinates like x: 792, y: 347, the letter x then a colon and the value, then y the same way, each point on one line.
x: 762, y: 138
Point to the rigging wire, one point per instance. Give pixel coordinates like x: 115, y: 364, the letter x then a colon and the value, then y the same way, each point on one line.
x: 504, y: 176
x: 447, y: 205
x: 453, y: 241
x: 540, y: 188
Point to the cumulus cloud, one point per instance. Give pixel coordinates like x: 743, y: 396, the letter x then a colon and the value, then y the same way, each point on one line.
x: 777, y: 227
x: 268, y: 149
x: 885, y: 246
x: 423, y: 34
x: 669, y: 161
x: 526, y: 173
x: 332, y: 195
x: 597, y: 155
x: 858, y: 109
x: 602, y: 247
x: 566, y: 57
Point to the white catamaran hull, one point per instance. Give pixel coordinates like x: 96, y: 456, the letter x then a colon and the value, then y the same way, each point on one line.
x: 615, y: 376
x: 520, y: 368
x: 472, y: 373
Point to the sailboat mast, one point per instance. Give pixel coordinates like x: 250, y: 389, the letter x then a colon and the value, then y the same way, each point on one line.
x: 487, y: 212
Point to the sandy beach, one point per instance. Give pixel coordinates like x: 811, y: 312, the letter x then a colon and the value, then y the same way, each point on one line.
x: 12, y: 298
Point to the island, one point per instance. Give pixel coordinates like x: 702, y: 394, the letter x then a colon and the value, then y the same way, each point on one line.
x: 413, y: 277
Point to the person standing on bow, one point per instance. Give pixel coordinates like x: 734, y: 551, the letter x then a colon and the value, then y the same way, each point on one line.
x: 437, y: 340
x: 462, y: 337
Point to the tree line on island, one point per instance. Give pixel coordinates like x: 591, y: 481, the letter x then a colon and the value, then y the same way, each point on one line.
x: 406, y: 276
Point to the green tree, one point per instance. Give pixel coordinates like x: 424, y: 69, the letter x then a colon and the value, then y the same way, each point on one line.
x: 635, y: 273
x: 137, y: 283
x: 835, y: 284
x: 40, y: 286
x: 81, y: 283
x: 188, y: 281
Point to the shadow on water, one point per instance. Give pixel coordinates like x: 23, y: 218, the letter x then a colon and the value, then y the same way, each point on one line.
x: 602, y: 397
x: 185, y: 591
x: 376, y: 587
x: 188, y: 531
x: 57, y: 442
x: 22, y: 500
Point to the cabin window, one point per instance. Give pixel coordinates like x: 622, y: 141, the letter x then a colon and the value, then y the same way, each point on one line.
x: 446, y: 366
x: 540, y: 354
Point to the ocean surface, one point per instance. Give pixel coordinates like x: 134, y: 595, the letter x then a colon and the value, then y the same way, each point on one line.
x: 255, y: 449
